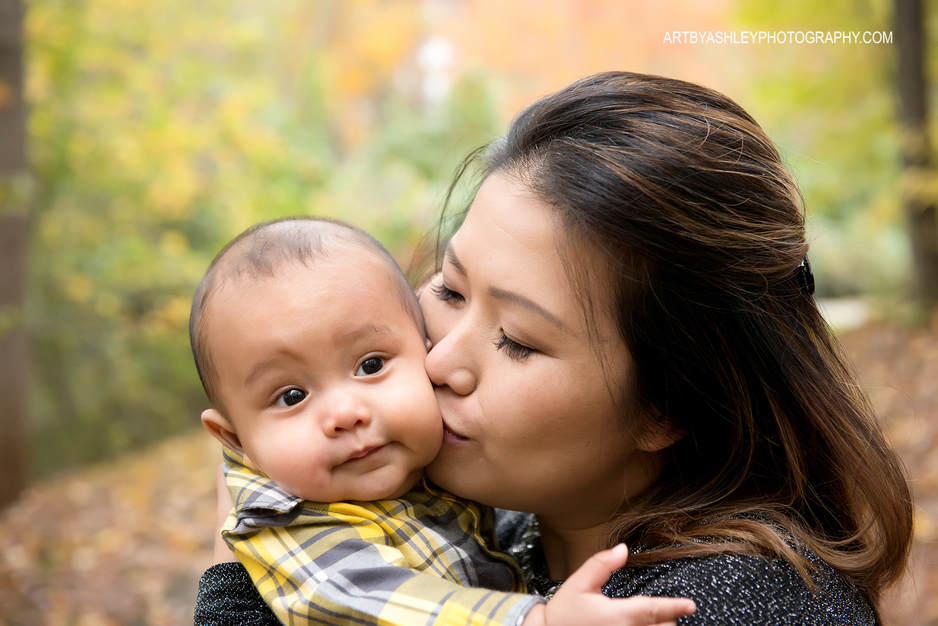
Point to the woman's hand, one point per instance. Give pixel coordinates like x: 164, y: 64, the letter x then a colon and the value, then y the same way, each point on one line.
x: 580, y: 600
x: 223, y: 553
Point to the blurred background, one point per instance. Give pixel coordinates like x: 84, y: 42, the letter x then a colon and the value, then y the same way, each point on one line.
x: 136, y: 138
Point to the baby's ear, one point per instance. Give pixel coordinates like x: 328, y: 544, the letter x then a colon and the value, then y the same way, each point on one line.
x: 221, y: 429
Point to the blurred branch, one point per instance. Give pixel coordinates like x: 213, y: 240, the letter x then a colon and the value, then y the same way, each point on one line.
x: 920, y: 208
x: 14, y: 350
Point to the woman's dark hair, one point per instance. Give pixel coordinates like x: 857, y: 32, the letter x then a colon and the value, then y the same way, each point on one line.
x: 679, y: 193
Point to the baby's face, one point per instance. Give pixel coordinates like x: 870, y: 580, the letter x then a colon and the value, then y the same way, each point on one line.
x: 321, y: 370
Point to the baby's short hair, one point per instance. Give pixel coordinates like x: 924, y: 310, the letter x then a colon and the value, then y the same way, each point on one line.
x: 259, y: 252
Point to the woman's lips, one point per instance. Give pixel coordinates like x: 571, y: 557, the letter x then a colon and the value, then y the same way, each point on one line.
x: 451, y: 437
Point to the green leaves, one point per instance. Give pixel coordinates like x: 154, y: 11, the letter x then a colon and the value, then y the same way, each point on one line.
x: 157, y: 133
x: 831, y: 110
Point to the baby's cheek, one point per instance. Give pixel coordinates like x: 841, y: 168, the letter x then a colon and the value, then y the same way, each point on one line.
x: 314, y: 484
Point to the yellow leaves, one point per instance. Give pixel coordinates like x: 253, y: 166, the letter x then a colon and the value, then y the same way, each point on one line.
x: 372, y: 40
x: 79, y: 288
x: 171, y: 194
x: 115, y: 544
x: 375, y: 39
x: 173, y: 243
x: 160, y: 130
x: 239, y: 127
x: 108, y: 305
x: 173, y: 316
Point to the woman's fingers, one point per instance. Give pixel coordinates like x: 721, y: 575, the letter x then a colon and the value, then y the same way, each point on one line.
x: 587, y: 582
x: 647, y: 611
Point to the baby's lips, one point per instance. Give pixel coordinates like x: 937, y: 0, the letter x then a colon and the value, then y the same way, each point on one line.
x: 364, y: 452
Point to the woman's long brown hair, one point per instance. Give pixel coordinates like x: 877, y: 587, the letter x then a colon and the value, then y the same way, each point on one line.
x: 683, y: 198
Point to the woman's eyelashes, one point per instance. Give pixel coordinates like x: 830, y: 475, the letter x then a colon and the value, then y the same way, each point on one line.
x: 444, y: 293
x: 513, y: 349
x: 290, y: 397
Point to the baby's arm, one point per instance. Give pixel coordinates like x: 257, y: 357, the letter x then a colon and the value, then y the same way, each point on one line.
x: 580, y: 600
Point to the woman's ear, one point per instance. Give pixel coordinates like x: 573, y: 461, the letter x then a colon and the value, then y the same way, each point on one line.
x: 221, y: 429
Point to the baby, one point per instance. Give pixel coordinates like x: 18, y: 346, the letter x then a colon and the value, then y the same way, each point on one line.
x: 310, y: 345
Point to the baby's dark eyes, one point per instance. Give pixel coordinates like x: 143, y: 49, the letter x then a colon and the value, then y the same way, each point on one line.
x: 295, y: 395
x: 370, y: 366
x: 291, y: 397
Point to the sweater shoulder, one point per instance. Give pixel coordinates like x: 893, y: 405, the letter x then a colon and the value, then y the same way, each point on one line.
x: 740, y: 589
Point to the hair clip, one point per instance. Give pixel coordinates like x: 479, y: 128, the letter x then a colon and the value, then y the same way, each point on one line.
x: 807, y: 276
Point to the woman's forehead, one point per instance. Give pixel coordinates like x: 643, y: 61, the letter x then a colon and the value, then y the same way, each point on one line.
x: 514, y: 246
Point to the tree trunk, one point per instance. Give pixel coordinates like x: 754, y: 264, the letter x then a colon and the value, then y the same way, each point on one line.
x: 919, y: 195
x: 14, y: 344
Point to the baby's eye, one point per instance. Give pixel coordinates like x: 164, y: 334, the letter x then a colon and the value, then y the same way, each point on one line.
x: 370, y: 366
x: 290, y: 397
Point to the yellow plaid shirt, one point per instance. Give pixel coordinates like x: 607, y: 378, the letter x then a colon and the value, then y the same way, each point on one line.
x: 422, y: 559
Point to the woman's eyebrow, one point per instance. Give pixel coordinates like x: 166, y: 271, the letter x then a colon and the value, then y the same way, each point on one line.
x: 450, y: 255
x: 510, y: 296
x: 507, y: 296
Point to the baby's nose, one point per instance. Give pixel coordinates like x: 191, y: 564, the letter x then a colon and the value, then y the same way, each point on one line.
x: 343, y: 414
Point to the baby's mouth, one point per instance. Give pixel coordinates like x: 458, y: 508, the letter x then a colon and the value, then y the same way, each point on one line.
x: 365, y: 453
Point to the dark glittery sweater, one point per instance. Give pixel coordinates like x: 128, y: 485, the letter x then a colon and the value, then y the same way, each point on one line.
x: 728, y: 589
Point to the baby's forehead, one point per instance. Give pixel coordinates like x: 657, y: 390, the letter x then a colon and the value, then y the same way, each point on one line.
x: 342, y: 261
x: 286, y: 251
x: 338, y: 258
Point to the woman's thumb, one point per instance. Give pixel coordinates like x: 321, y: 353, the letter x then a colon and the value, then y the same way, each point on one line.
x: 593, y: 574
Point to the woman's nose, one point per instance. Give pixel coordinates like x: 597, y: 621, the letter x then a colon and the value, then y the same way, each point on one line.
x: 450, y: 362
x: 342, y: 413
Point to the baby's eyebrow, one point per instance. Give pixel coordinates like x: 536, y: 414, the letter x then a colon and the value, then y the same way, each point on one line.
x: 346, y: 334
x: 367, y: 328
x: 259, y: 369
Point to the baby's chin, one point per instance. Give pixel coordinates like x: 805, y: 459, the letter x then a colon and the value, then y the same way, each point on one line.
x: 403, y: 488
x: 377, y: 489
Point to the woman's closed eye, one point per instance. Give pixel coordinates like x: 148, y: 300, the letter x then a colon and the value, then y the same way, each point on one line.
x: 290, y: 397
x: 444, y: 293
x: 515, y: 351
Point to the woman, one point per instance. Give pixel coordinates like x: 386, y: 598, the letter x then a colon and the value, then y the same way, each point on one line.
x: 625, y: 345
